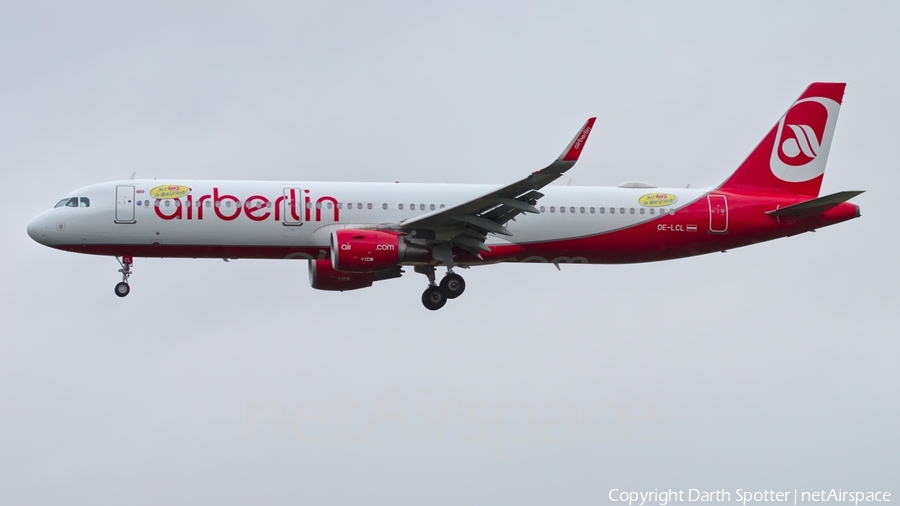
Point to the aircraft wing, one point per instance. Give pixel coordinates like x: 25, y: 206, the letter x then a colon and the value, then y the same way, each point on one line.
x: 466, y: 225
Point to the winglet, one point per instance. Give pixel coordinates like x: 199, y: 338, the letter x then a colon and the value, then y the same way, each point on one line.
x: 573, y: 150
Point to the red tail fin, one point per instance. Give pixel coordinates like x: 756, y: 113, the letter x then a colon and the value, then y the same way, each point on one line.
x: 791, y: 158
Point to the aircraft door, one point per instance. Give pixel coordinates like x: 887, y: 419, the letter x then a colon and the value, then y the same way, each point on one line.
x: 124, y: 204
x: 718, y: 214
x: 292, y: 207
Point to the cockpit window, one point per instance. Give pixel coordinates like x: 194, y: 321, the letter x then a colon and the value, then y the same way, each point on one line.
x: 74, y: 202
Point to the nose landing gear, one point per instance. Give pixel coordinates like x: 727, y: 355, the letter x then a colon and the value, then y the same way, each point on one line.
x: 435, y: 296
x: 122, y: 289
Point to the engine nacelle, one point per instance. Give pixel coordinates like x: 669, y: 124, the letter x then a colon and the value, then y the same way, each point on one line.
x: 354, y: 250
x: 322, y: 276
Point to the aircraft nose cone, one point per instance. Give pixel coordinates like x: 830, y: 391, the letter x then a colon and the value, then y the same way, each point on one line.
x: 37, y: 230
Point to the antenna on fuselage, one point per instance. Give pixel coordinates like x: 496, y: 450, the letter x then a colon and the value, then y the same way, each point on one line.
x: 132, y: 175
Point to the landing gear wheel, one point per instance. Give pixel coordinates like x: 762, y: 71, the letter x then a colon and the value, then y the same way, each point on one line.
x: 453, y: 285
x: 433, y: 298
x: 122, y: 289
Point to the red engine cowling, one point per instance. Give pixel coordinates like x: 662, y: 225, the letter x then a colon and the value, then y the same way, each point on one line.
x: 322, y: 276
x: 354, y: 250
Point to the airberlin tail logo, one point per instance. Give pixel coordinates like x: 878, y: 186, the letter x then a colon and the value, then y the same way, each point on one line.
x: 804, y: 142
x: 802, y: 139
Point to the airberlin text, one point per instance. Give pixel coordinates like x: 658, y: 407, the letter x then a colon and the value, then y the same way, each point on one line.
x: 744, y: 497
x: 225, y: 207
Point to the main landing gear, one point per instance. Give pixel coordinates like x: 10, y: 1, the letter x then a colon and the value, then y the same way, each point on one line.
x: 122, y: 288
x: 435, y: 296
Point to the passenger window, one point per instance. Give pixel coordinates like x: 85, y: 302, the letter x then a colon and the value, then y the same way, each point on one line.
x: 621, y: 210
x: 572, y: 210
x: 592, y: 210
x: 384, y: 206
x: 359, y: 205
x: 412, y: 207
x: 552, y: 209
x: 431, y: 207
x: 169, y: 203
x: 542, y: 208
x: 421, y: 207
x: 400, y: 207
x: 369, y: 206
x: 643, y: 210
x: 612, y: 210
x: 631, y: 210
x: 582, y: 210
x: 442, y: 206
x: 207, y: 204
x: 562, y: 209
x: 652, y: 211
x: 85, y: 202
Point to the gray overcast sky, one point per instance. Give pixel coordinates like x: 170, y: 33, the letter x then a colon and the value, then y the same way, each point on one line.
x: 773, y: 366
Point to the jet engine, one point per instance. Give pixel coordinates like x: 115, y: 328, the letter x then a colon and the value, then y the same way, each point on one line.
x: 367, y: 251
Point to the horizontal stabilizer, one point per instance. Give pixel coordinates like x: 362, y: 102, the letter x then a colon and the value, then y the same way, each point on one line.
x: 815, y: 206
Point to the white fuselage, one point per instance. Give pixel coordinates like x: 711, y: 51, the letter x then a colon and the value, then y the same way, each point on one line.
x: 262, y: 214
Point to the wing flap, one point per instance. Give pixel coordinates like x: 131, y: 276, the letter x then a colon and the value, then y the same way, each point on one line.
x: 484, y: 223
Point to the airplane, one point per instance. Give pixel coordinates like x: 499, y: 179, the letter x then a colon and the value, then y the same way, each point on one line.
x: 356, y: 234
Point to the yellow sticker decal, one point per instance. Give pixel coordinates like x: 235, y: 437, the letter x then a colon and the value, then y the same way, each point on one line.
x: 657, y: 199
x: 169, y: 191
